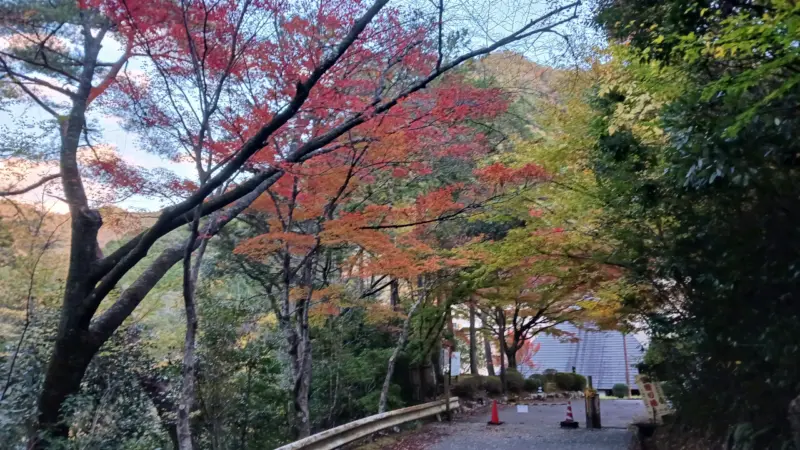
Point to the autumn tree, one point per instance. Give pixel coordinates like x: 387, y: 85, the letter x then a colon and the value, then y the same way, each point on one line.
x: 242, y: 170
x: 324, y: 226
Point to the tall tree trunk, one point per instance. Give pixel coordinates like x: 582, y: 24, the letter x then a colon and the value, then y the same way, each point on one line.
x: 511, y: 351
x: 293, y: 321
x: 190, y: 275
x: 487, y: 349
x: 72, y: 353
x: 473, y: 344
x: 511, y: 357
x: 394, y: 298
x: 387, y: 382
x: 501, y: 327
x: 301, y: 390
x: 74, y: 346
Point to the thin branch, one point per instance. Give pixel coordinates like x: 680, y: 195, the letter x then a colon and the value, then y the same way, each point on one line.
x: 31, y: 187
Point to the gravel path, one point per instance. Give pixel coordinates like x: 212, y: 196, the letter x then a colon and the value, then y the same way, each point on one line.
x: 539, y: 429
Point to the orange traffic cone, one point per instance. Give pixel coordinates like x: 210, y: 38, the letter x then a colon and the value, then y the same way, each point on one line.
x: 495, y: 416
x: 569, y: 421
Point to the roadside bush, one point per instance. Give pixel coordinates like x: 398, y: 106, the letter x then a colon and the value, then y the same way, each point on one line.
x: 564, y: 380
x: 515, y: 381
x: 538, y: 377
x: 492, y: 385
x: 550, y: 374
x: 532, y: 384
x: 468, y: 386
x: 580, y: 383
x: 567, y: 381
x: 620, y: 390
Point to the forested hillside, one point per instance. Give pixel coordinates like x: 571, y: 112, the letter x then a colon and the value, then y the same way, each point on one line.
x: 339, y: 182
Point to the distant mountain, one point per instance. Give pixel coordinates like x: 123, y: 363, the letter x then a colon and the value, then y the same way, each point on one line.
x: 519, y: 75
x: 20, y: 220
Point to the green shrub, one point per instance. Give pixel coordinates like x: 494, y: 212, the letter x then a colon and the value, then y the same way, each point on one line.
x: 570, y: 381
x: 532, y: 384
x: 468, y: 386
x: 550, y: 374
x: 580, y: 383
x: 538, y: 377
x: 564, y: 380
x: 620, y: 390
x: 492, y: 385
x: 514, y: 381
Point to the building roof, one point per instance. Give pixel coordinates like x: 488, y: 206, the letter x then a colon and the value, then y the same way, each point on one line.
x: 600, y: 354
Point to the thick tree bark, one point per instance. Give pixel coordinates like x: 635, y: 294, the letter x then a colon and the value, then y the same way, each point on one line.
x: 401, y: 343
x: 511, y: 351
x: 71, y: 356
x: 74, y: 346
x: 473, y: 341
x: 293, y: 323
x: 487, y: 348
x: 511, y: 357
x: 301, y: 390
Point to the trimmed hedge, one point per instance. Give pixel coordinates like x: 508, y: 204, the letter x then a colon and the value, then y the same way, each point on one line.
x: 468, y: 386
x: 515, y: 381
x: 493, y: 385
x: 564, y: 381
x: 620, y: 390
x: 580, y: 383
x: 570, y: 381
x: 532, y: 384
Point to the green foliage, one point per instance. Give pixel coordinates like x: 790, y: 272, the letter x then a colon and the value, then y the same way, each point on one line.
x: 347, y: 378
x: 514, y: 381
x: 538, y: 377
x: 564, y: 380
x: 242, y: 380
x: 568, y: 381
x: 110, y: 411
x: 493, y: 385
x: 468, y: 386
x: 580, y: 383
x: 696, y: 143
x: 532, y: 384
x: 620, y: 390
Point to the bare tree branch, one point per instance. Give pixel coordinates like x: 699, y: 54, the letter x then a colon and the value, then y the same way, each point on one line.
x: 30, y: 187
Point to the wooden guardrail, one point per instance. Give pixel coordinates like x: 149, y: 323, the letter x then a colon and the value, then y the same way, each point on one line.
x: 349, y: 432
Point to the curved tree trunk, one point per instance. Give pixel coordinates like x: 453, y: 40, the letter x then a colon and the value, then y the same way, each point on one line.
x: 190, y: 275
x: 401, y: 343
